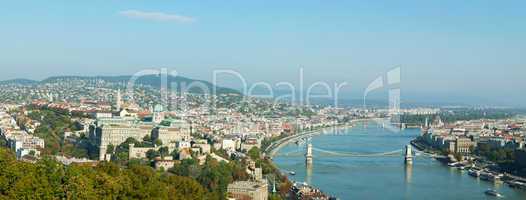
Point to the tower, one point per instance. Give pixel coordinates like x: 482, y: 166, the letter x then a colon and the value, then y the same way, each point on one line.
x: 274, y: 186
x: 118, y: 100
x: 408, y: 155
x: 308, y: 155
x: 51, y: 99
x: 157, y: 114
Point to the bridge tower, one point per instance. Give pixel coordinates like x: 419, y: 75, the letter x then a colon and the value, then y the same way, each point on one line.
x: 308, y: 155
x: 408, y: 155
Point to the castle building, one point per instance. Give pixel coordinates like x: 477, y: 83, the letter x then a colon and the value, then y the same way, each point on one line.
x: 116, y: 131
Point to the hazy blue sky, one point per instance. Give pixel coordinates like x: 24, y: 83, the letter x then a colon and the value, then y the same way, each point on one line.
x: 466, y: 50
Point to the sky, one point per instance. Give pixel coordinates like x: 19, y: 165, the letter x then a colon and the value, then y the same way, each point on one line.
x: 448, y: 50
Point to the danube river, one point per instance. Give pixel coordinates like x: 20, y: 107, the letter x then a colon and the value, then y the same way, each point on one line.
x: 363, y: 162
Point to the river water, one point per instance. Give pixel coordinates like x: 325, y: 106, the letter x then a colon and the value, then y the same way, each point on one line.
x: 371, y: 175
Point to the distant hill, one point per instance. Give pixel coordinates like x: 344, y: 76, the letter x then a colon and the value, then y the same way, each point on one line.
x: 178, y: 82
x: 19, y: 81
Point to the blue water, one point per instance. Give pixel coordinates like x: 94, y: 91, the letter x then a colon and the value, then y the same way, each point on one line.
x: 383, y: 177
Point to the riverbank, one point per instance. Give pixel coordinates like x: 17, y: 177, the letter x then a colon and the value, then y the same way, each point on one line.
x: 477, y: 167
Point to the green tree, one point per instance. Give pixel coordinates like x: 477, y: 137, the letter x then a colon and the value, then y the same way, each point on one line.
x: 163, y: 151
x: 254, y: 153
x: 152, y: 154
x: 185, y: 188
x: 110, y: 149
x: 158, y: 142
x: 147, y: 138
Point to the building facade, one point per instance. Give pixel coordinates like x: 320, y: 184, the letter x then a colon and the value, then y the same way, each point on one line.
x: 248, y: 190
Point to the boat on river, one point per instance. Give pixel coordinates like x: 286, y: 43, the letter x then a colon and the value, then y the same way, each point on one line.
x: 491, y: 192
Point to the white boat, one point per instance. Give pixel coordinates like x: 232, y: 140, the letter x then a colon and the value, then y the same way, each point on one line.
x: 517, y: 184
x: 453, y: 164
x: 491, y: 192
x: 486, y: 176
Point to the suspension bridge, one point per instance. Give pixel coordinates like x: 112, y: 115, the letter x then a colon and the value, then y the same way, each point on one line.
x: 328, y: 153
x: 273, y: 149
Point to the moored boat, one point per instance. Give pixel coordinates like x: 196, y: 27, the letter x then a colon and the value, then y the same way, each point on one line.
x: 517, y: 185
x: 488, y: 176
x: 452, y: 164
x: 474, y: 173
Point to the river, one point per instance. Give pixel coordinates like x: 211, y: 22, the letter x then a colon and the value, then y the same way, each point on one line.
x: 371, y: 175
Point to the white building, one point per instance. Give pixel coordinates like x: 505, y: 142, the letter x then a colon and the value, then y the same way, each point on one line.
x: 228, y: 144
x: 116, y: 131
x: 254, y: 190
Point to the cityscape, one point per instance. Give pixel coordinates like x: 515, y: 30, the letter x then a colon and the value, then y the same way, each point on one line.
x: 299, y: 107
